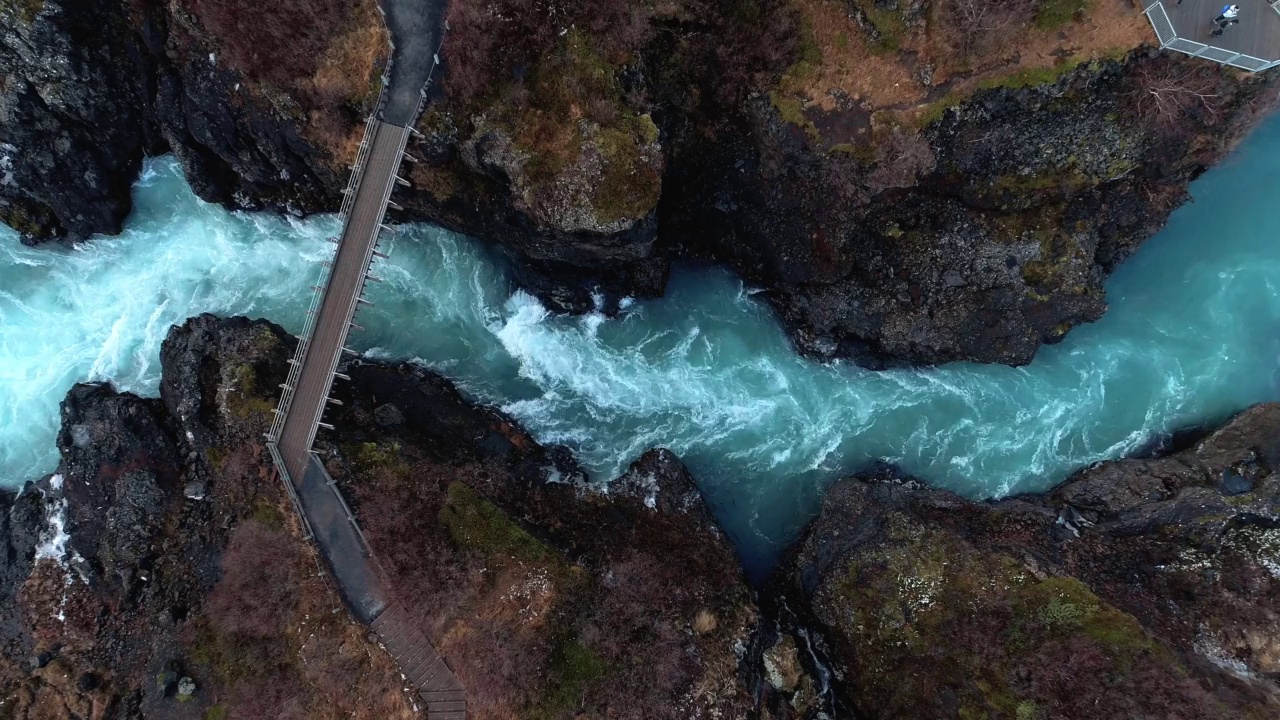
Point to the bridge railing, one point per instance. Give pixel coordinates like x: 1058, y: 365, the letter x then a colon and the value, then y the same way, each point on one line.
x: 358, y: 296
x: 317, y: 295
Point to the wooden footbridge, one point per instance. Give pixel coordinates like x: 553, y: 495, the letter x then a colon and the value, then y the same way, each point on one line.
x: 306, y: 393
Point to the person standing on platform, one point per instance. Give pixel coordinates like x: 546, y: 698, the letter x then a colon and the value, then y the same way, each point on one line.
x: 1230, y: 16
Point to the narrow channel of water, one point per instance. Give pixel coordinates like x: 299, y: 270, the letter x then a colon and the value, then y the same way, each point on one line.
x: 1193, y: 335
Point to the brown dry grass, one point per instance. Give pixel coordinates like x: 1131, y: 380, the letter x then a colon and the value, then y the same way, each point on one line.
x: 883, y: 80
x: 354, y: 678
x: 324, y: 53
x: 346, y: 74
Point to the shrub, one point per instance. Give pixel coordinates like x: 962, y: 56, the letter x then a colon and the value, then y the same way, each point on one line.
x: 259, y: 586
x: 1056, y: 13
x: 975, y: 26
x: 277, y: 42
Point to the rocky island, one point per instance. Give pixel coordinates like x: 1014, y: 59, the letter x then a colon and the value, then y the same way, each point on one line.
x: 908, y: 181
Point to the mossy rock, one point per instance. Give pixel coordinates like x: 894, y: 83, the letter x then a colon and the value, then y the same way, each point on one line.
x: 477, y: 525
x: 244, y: 400
x: 30, y: 220
x: 631, y: 182
x: 25, y: 10
x: 923, y: 604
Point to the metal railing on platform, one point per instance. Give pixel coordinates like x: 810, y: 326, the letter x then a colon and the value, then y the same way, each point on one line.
x: 1169, y: 39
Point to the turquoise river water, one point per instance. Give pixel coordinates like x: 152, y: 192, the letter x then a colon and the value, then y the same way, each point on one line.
x: 1193, y: 334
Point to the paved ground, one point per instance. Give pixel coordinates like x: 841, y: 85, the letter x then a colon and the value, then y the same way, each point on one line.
x: 416, y: 29
x: 340, y: 543
x: 1257, y: 34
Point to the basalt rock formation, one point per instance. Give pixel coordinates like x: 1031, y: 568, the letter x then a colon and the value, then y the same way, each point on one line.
x: 90, y: 88
x: 904, y: 189
x: 161, y: 572
x: 1138, y: 588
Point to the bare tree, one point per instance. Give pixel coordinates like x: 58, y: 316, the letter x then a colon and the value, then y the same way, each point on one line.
x: 975, y: 25
x: 901, y: 158
x: 1176, y: 96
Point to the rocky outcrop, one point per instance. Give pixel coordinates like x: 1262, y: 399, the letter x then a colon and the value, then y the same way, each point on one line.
x: 92, y: 87
x: 547, y: 596
x: 1138, y: 587
x: 978, y: 237
x: 555, y: 597
x: 967, y: 218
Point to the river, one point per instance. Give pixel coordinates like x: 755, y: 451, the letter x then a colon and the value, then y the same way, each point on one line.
x: 1193, y: 335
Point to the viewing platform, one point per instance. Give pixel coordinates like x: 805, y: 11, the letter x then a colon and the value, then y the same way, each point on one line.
x: 1252, y: 44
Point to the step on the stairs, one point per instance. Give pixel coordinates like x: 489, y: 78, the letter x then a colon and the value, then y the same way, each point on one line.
x: 434, y: 696
x: 421, y: 665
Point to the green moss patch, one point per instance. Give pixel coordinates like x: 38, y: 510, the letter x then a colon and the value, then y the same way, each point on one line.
x: 267, y: 513
x: 889, y: 22
x: 631, y: 183
x: 375, y: 458
x: 1055, y: 13
x: 572, y: 669
x: 244, y: 400
x: 478, y: 525
x: 26, y: 10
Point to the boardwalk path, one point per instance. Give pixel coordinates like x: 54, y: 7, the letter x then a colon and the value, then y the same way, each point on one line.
x: 415, y: 27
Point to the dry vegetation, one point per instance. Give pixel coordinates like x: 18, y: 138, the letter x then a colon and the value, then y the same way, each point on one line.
x: 967, y: 44
x: 276, y: 643
x: 325, y: 54
x: 529, y: 631
x: 566, y: 78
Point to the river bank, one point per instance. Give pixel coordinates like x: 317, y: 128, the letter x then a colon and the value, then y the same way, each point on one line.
x: 1135, y: 587
x: 705, y: 371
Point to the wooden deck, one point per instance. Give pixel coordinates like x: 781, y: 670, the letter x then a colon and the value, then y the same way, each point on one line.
x: 342, y: 293
x: 421, y: 666
x: 1257, y: 34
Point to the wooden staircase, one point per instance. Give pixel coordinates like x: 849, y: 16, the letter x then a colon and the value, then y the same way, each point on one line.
x: 421, y: 665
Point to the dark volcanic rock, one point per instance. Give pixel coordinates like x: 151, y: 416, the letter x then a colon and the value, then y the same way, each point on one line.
x: 1141, y: 572
x: 92, y: 87
x: 546, y: 595
x: 979, y: 237
x: 73, y: 126
x: 22, y: 519
x: 593, y: 151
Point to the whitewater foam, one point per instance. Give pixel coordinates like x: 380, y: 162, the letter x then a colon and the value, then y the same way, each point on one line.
x: 706, y: 371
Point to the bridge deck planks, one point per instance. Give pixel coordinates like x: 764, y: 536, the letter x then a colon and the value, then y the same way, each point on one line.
x: 346, y: 281
x: 420, y: 664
